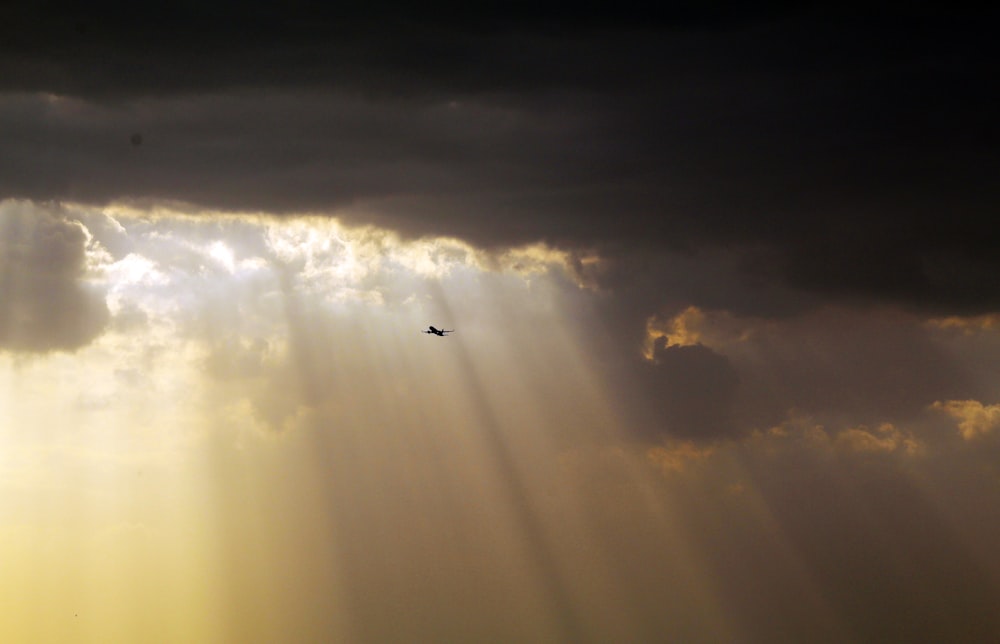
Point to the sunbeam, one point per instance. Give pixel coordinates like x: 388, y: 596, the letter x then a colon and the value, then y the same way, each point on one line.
x: 254, y: 441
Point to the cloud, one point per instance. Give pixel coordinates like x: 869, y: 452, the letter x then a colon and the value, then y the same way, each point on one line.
x: 233, y: 281
x: 859, y: 367
x: 388, y: 48
x: 967, y: 325
x: 689, y: 391
x: 843, y: 158
x: 47, y: 300
x: 884, y: 439
x: 974, y: 418
x: 694, y: 326
x: 705, y: 374
x: 290, y: 319
x: 800, y: 432
x: 678, y: 455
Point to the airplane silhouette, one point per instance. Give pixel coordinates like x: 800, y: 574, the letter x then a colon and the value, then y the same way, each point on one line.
x: 440, y: 332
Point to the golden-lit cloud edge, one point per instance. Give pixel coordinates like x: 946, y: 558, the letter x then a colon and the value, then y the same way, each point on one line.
x: 975, y: 420
x: 297, y: 236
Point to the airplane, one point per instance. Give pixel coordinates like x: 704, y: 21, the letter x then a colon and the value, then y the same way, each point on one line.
x: 440, y: 332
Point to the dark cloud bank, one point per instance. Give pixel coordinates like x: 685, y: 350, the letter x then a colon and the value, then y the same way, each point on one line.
x: 835, y: 153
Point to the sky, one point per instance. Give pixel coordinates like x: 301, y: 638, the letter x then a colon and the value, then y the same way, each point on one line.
x: 724, y: 288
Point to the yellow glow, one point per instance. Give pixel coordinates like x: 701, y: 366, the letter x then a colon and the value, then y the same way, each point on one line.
x: 258, y: 444
x: 886, y: 438
x: 714, y: 329
x: 677, y: 456
x: 967, y: 325
x: 680, y: 330
x: 261, y: 446
x: 974, y: 418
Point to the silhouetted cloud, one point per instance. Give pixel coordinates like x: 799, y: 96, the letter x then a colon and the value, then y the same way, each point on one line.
x: 691, y: 390
x: 846, y: 366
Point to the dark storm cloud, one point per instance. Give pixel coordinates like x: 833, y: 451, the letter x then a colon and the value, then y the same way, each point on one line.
x: 849, y: 366
x: 108, y: 49
x: 854, y: 154
x: 717, y: 376
x: 693, y: 390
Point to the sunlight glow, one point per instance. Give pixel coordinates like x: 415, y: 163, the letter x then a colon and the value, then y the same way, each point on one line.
x: 234, y: 430
x: 260, y: 385
x: 974, y: 418
x: 224, y: 255
x: 693, y: 326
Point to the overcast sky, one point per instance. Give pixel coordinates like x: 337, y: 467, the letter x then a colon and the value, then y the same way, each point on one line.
x: 726, y: 293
